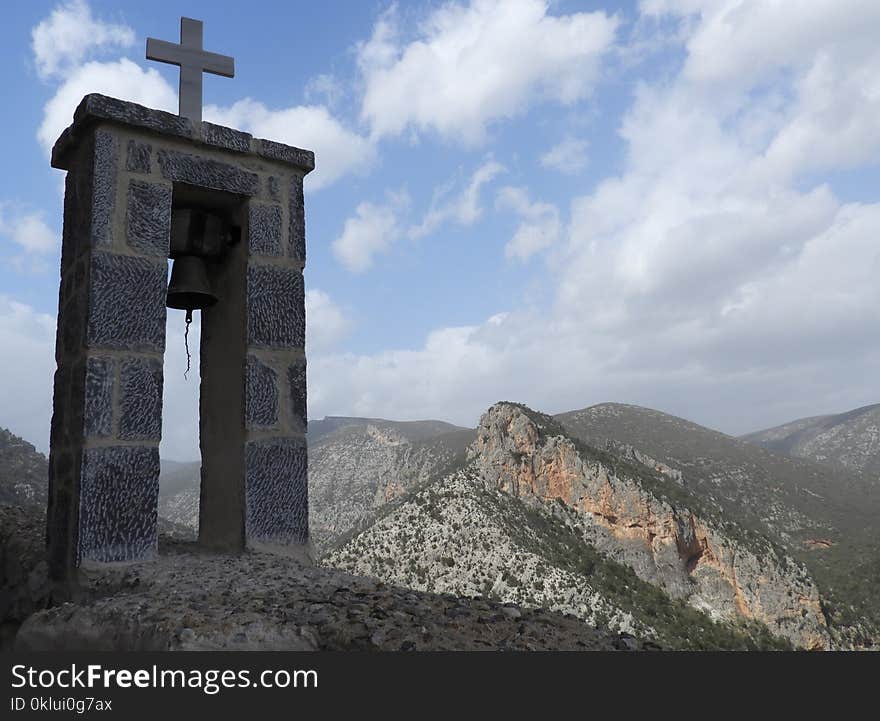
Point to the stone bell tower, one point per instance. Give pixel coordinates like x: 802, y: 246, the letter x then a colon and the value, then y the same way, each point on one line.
x: 133, y: 173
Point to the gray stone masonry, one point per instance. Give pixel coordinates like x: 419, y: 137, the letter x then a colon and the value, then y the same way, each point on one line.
x: 127, y: 167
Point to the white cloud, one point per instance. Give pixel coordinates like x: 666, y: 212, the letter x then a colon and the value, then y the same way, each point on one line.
x: 452, y: 374
x: 540, y: 227
x: 568, y: 156
x: 338, y: 150
x: 463, y: 209
x: 325, y: 88
x: 70, y: 34
x: 120, y: 79
x: 29, y: 232
x: 828, y: 46
x: 712, y: 278
x: 33, y: 235
x: 27, y: 342
x: 326, y: 324
x: 473, y: 64
x: 370, y: 232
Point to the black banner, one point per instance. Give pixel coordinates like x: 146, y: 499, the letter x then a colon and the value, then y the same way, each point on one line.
x: 145, y: 685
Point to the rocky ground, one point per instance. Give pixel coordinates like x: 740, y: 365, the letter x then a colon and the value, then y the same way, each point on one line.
x: 187, y: 599
x: 24, y: 586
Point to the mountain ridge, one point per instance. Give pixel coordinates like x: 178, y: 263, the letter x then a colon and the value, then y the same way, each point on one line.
x: 849, y: 440
x: 716, y: 493
x: 673, y: 563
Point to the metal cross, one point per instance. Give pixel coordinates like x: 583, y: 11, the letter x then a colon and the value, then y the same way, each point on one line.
x: 193, y: 61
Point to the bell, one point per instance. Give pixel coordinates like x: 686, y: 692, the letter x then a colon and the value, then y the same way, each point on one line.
x: 189, y: 288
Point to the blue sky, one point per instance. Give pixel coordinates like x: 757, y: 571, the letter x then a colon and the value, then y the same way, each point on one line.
x: 669, y: 202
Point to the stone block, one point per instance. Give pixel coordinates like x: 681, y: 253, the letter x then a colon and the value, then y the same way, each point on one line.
x: 304, y: 159
x: 265, y: 229
x: 98, y: 402
x: 276, y: 491
x: 296, y: 247
x: 138, y: 157
x: 71, y: 323
x: 127, y: 303
x: 140, y: 399
x: 261, y: 395
x: 103, y: 189
x: 103, y: 107
x: 296, y: 383
x: 148, y: 218
x: 206, y: 173
x: 274, y: 186
x: 95, y: 108
x: 223, y: 137
x: 276, y: 307
x: 119, y: 492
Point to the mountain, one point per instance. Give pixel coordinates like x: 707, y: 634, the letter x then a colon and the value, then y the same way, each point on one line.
x: 539, y: 517
x: 848, y: 440
x: 356, y: 465
x: 828, y: 518
x: 408, y: 430
x: 179, y: 493
x: 792, y: 498
x: 24, y: 473
x: 626, y: 517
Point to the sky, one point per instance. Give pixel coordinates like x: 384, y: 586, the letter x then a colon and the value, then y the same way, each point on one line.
x: 670, y: 203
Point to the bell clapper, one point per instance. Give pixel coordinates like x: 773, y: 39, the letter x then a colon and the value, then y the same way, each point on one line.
x: 189, y: 317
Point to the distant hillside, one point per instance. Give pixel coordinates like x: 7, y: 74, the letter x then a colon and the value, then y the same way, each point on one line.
x: 24, y: 473
x: 408, y: 430
x: 356, y: 465
x: 849, y: 440
x: 362, y: 464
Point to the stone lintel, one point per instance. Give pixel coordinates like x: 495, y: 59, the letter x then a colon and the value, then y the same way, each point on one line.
x: 96, y: 108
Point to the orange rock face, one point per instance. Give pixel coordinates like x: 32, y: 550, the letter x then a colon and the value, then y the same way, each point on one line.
x: 668, y: 546
x: 818, y: 543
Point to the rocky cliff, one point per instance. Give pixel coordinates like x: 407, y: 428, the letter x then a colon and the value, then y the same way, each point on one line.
x: 361, y: 465
x: 24, y: 473
x: 640, y: 516
x: 827, y: 517
x: 461, y: 536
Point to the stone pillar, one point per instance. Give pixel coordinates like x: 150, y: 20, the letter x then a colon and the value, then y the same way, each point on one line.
x: 128, y: 168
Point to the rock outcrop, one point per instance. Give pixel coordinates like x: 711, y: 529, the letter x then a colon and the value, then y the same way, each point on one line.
x: 627, y: 514
x: 24, y: 472
x: 458, y: 537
